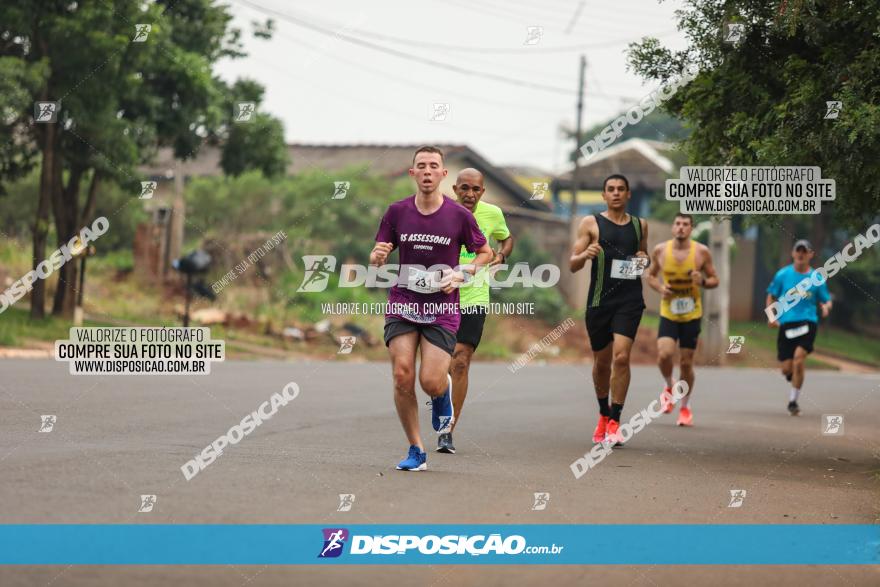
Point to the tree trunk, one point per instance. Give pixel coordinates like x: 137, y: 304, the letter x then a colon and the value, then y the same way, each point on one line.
x: 66, y: 208
x: 89, y: 209
x: 41, y: 222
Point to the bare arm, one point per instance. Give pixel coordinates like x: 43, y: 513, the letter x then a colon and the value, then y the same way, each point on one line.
x: 453, y: 279
x: 380, y: 253
x: 643, y: 246
x: 654, y: 270
x: 484, y: 256
x: 584, y: 246
x: 504, y: 249
x: 710, y: 281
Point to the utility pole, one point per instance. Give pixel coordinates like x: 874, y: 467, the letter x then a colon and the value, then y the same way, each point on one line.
x: 718, y: 299
x: 575, y: 176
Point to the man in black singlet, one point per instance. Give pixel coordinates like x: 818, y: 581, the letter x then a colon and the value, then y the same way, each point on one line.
x: 616, y: 242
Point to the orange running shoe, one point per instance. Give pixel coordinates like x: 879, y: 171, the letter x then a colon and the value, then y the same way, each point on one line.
x: 685, y: 417
x: 612, y: 434
x: 599, y: 432
x: 666, y: 400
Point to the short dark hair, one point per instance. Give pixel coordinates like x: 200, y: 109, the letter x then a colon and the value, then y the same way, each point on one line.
x: 683, y: 215
x: 616, y: 176
x: 427, y: 149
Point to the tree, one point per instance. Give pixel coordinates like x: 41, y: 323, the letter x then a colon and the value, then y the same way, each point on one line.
x: 762, y: 100
x: 128, y: 77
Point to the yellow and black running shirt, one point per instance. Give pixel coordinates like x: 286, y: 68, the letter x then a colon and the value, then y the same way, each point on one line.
x: 685, y: 304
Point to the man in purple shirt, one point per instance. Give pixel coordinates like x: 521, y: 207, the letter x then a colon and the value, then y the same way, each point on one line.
x: 429, y: 230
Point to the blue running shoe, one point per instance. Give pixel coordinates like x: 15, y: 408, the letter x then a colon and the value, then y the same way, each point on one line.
x: 442, y: 413
x: 416, y: 460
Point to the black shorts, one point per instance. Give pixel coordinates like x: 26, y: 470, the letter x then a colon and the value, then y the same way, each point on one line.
x: 436, y: 335
x: 470, y: 331
x: 686, y: 333
x: 604, y: 322
x: 785, y: 346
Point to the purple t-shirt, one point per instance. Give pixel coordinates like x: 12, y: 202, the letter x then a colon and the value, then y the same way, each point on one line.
x: 423, y: 241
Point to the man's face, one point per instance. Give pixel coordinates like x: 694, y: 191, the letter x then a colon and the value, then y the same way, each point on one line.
x: 428, y: 171
x: 682, y: 228
x: 802, y: 256
x: 616, y: 194
x: 469, y: 189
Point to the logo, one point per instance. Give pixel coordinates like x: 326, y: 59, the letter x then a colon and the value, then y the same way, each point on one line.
x: 346, y: 344
x: 48, y: 422
x: 244, y: 111
x: 334, y: 541
x: 346, y: 500
x: 147, y: 503
x: 318, y: 270
x: 539, y: 189
x: 832, y: 424
x: 439, y: 112
x: 736, y: 344
x: 46, y: 112
x: 340, y: 189
x: 541, y: 501
x: 832, y: 109
x: 147, y: 189
x: 534, y: 34
x: 737, y: 497
x: 734, y: 32
x: 141, y: 32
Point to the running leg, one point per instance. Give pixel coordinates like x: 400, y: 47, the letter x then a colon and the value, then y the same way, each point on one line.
x: 402, y: 349
x: 461, y: 364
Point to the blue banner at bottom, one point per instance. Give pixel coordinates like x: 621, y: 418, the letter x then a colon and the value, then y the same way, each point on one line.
x: 542, y: 544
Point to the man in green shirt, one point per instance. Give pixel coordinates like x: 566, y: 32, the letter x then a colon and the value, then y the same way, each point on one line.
x: 474, y: 295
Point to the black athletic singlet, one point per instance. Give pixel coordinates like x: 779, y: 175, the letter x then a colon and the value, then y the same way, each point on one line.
x: 619, y: 243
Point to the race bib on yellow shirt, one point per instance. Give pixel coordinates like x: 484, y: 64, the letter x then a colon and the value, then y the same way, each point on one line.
x: 682, y: 305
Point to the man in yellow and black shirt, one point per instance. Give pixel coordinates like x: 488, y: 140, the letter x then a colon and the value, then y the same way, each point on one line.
x: 687, y: 268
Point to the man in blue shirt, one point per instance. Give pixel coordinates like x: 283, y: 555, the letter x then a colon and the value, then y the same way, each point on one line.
x: 792, y: 298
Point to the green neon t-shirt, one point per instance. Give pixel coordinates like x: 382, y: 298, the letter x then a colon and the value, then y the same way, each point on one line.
x: 490, y: 219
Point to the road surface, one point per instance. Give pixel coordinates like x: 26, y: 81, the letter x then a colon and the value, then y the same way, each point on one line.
x: 116, y: 438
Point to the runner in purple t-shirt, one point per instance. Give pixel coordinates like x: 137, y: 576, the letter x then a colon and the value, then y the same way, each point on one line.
x: 429, y: 229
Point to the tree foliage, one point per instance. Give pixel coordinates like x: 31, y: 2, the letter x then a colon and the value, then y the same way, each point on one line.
x: 762, y: 100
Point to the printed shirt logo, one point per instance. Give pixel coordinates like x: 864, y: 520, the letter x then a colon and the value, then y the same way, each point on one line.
x: 408, y: 237
x: 334, y: 541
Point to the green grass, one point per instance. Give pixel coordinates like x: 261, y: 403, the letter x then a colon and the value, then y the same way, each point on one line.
x: 832, y: 341
x: 16, y: 327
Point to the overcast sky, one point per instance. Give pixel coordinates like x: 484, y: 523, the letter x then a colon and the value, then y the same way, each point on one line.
x: 336, y: 87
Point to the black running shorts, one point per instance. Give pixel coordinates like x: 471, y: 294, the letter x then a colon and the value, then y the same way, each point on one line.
x: 604, y: 321
x: 470, y: 331
x: 686, y: 333
x: 436, y: 335
x: 786, y: 346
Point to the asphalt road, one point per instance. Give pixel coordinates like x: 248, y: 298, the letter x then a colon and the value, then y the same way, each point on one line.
x: 116, y: 438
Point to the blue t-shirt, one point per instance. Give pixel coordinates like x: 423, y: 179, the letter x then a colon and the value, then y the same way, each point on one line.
x: 805, y: 309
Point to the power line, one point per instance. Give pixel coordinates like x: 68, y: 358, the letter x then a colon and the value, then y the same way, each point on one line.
x: 412, y: 83
x: 500, y: 50
x: 409, y: 56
